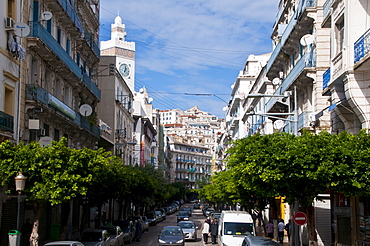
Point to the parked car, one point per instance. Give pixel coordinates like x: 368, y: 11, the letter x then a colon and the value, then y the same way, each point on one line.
x: 171, y: 235
x: 163, y: 212
x: 257, y: 241
x: 159, y: 214
x: 208, y: 211
x: 95, y: 237
x: 152, y: 218
x: 189, y: 229
x: 215, y: 216
x: 182, y: 215
x: 196, y: 206
x: 128, y: 228
x: 64, y: 243
x: 145, y: 223
x: 188, y: 210
x: 140, y: 219
x: 116, y: 235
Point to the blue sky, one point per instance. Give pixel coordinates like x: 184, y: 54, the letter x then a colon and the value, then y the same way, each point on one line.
x: 191, y: 46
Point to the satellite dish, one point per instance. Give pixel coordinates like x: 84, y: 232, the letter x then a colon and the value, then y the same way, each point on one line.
x: 150, y: 100
x: 225, y: 108
x: 278, y: 124
x: 276, y: 81
x: 45, y: 141
x: 306, y: 40
x: 141, y: 90
x: 85, y: 110
x: 21, y: 29
x: 47, y: 15
x: 131, y: 110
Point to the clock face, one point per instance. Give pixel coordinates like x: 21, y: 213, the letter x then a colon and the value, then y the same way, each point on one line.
x: 124, y: 69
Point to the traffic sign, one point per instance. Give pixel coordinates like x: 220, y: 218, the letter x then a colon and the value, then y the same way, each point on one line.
x: 300, y: 218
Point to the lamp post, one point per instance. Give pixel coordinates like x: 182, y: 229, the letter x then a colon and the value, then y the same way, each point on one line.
x: 20, y: 182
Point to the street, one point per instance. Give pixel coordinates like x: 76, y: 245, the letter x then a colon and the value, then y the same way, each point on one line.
x: 150, y: 238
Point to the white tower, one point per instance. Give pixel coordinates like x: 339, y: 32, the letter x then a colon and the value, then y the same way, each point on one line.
x: 123, y: 51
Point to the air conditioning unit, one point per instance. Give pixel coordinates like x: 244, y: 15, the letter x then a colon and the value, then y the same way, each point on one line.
x: 9, y: 23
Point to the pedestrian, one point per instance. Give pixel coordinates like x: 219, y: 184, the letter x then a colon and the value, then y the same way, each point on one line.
x: 214, y: 231
x: 270, y: 229
x: 138, y: 231
x: 26, y: 231
x: 281, y: 227
x: 205, y: 231
x: 288, y: 227
x: 259, y: 217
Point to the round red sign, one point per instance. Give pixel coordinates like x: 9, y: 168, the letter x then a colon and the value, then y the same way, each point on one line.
x: 300, y: 218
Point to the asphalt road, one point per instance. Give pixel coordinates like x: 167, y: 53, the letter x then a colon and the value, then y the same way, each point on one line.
x: 150, y: 238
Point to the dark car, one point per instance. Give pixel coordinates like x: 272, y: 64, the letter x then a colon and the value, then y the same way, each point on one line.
x: 128, y: 228
x: 196, y: 206
x: 257, y: 241
x: 171, y: 235
x: 152, y: 218
x: 95, y: 237
x: 187, y: 210
x: 116, y: 235
x: 182, y: 215
x: 163, y: 211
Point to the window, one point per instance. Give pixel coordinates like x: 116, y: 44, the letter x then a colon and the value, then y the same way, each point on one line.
x: 9, y: 100
x: 56, y: 135
x: 339, y: 35
x: 11, y: 9
x: 59, y: 36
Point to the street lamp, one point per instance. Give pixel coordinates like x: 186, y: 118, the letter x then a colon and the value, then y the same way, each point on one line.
x: 20, y: 182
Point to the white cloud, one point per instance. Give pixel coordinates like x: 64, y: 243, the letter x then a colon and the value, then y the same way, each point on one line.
x: 188, y: 41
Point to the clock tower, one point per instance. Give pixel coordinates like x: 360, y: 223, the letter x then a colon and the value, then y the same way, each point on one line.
x: 124, y: 52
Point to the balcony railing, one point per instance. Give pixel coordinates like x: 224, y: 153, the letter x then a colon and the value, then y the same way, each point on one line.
x: 326, y: 79
x: 6, y: 122
x: 327, y: 8
x: 304, y: 119
x: 91, y: 85
x: 283, y: 39
x: 307, y: 60
x: 35, y: 92
x: 94, y: 46
x: 40, y: 32
x: 362, y: 46
x: 72, y: 13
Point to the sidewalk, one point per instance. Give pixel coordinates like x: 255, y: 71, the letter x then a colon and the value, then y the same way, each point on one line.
x: 260, y: 232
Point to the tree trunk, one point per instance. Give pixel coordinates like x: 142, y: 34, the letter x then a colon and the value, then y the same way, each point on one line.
x: 66, y: 209
x: 34, y: 238
x: 311, y: 226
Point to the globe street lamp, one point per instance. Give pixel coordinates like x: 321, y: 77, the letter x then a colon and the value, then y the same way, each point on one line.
x: 20, y: 182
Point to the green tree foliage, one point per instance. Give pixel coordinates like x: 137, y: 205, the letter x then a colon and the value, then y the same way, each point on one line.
x: 297, y: 167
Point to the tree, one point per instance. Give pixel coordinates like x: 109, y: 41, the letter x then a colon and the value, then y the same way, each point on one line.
x: 54, y: 174
x: 297, y: 167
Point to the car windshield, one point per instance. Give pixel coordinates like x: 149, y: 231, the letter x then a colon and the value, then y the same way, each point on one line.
x: 231, y: 228
x: 183, y: 214
x: 186, y: 209
x: 171, y: 232
x: 91, y: 236
x: 150, y: 216
x: 186, y: 225
x: 111, y: 231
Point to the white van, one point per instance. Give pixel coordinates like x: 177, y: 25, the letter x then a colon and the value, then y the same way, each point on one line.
x: 233, y: 227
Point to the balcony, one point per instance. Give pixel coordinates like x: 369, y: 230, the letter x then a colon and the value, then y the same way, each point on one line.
x: 91, y: 85
x: 286, y: 35
x: 6, y: 122
x: 71, y: 12
x: 304, y: 120
x: 36, y: 93
x: 51, y: 50
x: 54, y: 54
x: 87, y: 41
x: 307, y: 60
x: 362, y: 50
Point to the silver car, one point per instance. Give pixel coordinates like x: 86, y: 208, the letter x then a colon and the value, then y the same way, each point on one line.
x: 189, y: 229
x: 64, y: 243
x: 95, y: 237
x: 116, y: 235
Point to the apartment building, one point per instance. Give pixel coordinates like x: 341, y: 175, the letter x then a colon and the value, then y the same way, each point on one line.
x: 192, y: 137
x: 346, y: 83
